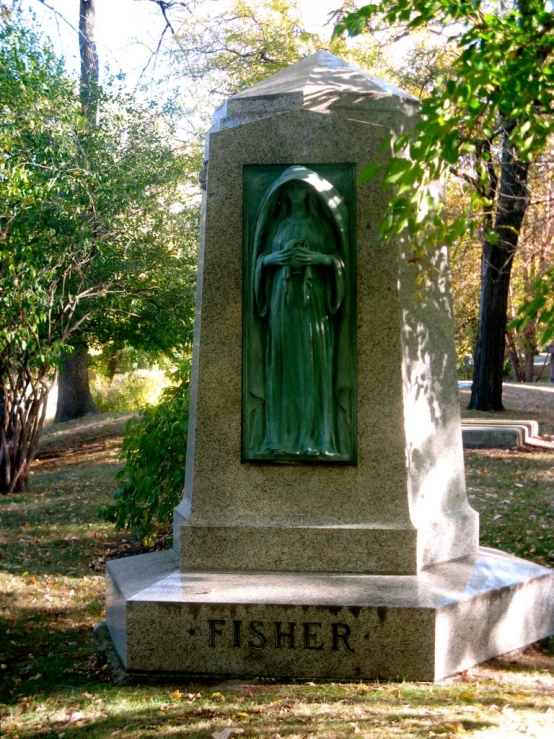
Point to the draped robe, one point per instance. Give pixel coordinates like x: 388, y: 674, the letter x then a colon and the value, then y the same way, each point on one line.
x: 298, y: 304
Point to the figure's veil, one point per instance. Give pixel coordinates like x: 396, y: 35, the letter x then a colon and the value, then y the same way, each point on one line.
x: 326, y: 193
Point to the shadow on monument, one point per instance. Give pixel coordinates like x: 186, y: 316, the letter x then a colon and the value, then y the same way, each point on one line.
x: 266, y: 536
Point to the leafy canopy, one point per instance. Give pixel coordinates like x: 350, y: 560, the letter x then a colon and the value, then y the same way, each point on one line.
x: 501, y: 83
x: 97, y: 225
x: 98, y: 230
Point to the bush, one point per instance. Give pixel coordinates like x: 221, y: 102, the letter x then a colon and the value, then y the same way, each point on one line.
x: 127, y: 392
x: 154, y: 451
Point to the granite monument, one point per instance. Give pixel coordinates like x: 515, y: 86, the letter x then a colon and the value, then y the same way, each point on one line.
x: 324, y: 530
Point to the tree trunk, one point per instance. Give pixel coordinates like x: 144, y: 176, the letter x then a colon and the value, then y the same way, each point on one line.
x: 530, y: 349
x: 89, y: 60
x: 113, y: 363
x: 514, y: 357
x: 22, y: 412
x: 74, y: 398
x: 498, y: 255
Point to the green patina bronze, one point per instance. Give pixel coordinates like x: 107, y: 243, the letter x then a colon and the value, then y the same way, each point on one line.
x: 299, y: 314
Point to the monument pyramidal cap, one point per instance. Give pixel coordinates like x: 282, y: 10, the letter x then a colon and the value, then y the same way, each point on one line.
x: 323, y: 70
x: 321, y: 82
x: 324, y: 529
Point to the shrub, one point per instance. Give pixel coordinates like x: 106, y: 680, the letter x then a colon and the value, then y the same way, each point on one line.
x: 153, y: 450
x: 127, y: 392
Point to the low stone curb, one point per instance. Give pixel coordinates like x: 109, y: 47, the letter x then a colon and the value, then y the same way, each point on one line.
x: 501, y: 433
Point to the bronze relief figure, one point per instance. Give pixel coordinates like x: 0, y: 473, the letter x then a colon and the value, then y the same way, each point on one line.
x: 299, y: 339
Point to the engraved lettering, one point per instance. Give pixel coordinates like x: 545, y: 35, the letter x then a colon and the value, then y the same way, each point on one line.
x: 236, y: 633
x: 310, y: 637
x: 341, y: 632
x: 261, y: 640
x: 214, y: 630
x: 284, y: 635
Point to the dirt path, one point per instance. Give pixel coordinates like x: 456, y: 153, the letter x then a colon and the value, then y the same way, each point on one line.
x: 94, y: 430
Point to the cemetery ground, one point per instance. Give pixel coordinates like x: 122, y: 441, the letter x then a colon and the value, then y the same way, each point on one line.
x: 52, y: 557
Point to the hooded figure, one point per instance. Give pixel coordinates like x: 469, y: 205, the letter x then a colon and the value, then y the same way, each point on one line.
x: 299, y: 386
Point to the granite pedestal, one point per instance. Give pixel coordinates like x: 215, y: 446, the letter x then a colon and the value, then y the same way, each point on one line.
x: 251, y: 624
x: 368, y: 568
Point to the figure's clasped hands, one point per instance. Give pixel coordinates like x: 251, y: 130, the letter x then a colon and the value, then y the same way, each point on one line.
x: 279, y: 258
x: 297, y: 254
x: 305, y: 256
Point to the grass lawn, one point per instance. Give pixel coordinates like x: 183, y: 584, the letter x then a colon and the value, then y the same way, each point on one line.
x: 52, y: 555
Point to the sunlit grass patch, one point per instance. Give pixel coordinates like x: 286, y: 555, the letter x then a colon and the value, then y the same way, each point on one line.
x: 513, y: 490
x: 53, y: 549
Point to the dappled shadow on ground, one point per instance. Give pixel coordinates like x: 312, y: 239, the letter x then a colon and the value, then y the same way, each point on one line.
x: 203, y: 723
x: 373, y: 709
x: 45, y: 648
x: 90, y: 430
x: 77, y: 451
x: 53, y: 686
x: 533, y: 659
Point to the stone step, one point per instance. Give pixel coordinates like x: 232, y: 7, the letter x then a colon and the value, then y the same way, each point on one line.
x: 498, y: 433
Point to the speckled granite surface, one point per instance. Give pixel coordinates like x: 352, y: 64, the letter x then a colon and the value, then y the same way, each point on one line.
x: 297, y: 570
x: 421, y: 627
x: 403, y: 506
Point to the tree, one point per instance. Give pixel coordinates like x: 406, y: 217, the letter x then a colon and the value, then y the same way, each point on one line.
x: 486, y: 123
x: 91, y: 232
x: 153, y: 450
x: 74, y: 396
x: 534, y: 258
x: 222, y: 48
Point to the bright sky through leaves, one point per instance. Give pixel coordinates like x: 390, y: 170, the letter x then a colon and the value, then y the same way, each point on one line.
x: 127, y: 31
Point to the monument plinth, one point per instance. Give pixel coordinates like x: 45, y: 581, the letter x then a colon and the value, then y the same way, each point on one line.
x: 324, y: 529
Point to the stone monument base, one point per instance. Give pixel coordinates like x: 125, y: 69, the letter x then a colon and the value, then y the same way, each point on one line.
x: 284, y: 625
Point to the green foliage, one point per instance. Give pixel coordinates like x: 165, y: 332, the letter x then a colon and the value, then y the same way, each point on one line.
x: 539, y: 308
x: 501, y: 83
x: 485, y: 121
x: 98, y: 232
x: 154, y: 450
x: 39, y: 179
x: 129, y: 391
x: 225, y: 50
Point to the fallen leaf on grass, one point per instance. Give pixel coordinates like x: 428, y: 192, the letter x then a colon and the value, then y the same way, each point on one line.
x: 226, y: 733
x: 455, y: 727
x: 241, y: 714
x: 176, y: 694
